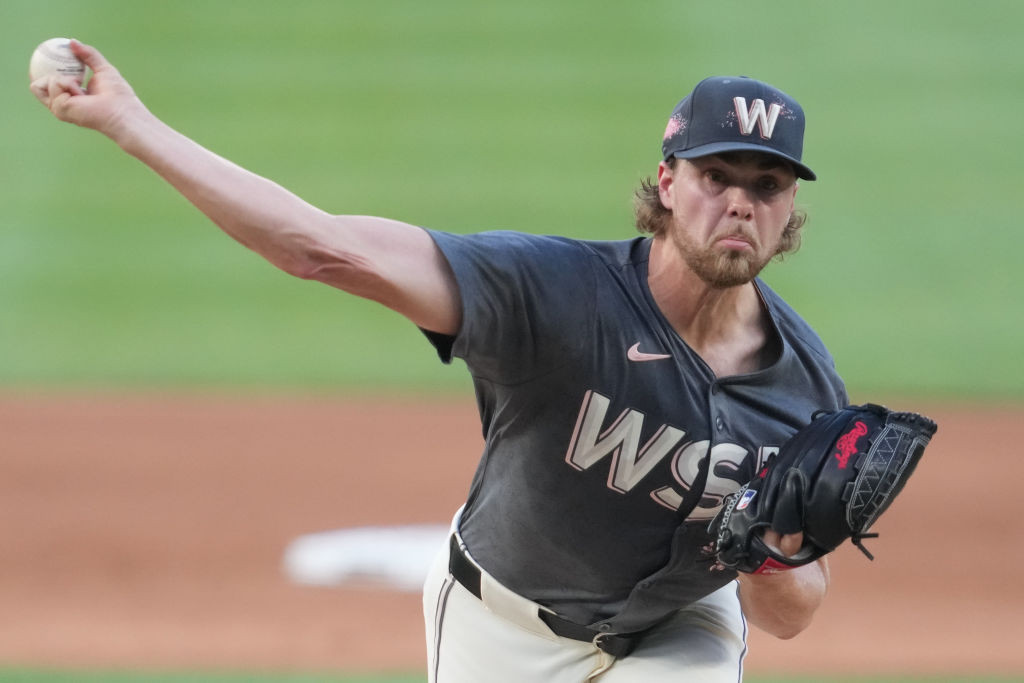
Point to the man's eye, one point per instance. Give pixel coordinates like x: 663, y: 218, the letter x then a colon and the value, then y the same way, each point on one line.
x: 769, y: 184
x: 716, y: 176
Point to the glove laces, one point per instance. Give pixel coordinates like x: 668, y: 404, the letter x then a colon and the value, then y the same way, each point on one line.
x: 858, y: 540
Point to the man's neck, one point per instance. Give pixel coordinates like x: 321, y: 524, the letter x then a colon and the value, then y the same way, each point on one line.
x: 727, y: 327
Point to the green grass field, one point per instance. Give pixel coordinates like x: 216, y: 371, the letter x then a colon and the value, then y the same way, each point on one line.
x: 535, y: 116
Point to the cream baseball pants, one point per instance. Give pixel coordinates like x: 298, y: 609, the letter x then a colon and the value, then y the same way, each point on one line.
x: 500, y: 639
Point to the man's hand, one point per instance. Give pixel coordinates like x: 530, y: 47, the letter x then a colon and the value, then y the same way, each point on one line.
x: 106, y: 104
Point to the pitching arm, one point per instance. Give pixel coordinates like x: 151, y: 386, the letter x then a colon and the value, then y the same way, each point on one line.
x: 387, y: 261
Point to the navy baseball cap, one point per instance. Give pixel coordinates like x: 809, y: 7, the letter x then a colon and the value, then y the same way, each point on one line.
x: 729, y: 113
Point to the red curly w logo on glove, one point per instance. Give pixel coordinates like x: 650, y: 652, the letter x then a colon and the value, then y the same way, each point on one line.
x: 846, y: 445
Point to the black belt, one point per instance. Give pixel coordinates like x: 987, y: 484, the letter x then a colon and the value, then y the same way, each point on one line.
x: 615, y: 644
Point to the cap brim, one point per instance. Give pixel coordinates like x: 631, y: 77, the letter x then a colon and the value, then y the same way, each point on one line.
x: 802, y: 171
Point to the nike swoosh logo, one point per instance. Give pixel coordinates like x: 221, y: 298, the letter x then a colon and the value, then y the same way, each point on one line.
x: 635, y: 354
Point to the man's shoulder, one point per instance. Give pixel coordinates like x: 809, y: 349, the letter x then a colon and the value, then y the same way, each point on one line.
x: 619, y: 253
x: 543, y: 247
x: 791, y: 324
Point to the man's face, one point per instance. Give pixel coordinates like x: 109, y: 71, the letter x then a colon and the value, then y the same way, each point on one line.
x: 728, y: 212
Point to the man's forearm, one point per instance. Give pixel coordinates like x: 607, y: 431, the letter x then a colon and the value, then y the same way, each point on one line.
x: 784, y: 604
x: 253, y: 210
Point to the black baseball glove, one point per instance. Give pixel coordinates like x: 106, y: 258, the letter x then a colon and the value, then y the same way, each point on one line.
x: 831, y: 481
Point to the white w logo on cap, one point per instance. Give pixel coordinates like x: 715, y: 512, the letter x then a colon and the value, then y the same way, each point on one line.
x: 756, y: 114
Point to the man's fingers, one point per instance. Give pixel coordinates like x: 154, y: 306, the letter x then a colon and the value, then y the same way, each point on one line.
x: 41, y: 89
x: 56, y: 87
x: 57, y: 95
x: 54, y: 92
x: 790, y: 544
x: 787, y: 545
x: 90, y: 55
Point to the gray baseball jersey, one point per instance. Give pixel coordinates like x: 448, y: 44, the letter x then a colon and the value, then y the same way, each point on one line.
x: 610, y: 444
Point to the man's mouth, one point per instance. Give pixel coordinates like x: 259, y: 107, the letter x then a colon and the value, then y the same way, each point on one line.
x: 736, y: 241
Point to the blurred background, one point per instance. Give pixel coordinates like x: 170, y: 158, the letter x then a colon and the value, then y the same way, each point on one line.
x: 466, y: 116
x: 536, y: 116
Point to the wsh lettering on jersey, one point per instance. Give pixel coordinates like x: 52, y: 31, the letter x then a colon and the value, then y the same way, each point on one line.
x: 629, y: 461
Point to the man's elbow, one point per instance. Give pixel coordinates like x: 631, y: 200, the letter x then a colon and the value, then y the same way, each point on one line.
x: 785, y: 630
x: 343, y: 270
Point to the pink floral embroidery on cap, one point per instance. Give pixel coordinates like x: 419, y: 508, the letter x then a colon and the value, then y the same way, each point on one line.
x: 785, y: 112
x: 676, y: 125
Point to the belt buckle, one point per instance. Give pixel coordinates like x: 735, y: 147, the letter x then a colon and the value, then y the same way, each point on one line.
x: 614, y: 644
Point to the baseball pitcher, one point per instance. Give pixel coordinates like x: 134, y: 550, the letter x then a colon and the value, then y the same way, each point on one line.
x: 669, y: 451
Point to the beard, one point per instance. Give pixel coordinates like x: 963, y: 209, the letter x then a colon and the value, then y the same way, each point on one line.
x: 721, y: 268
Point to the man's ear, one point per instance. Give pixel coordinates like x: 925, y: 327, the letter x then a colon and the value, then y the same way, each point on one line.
x: 665, y: 184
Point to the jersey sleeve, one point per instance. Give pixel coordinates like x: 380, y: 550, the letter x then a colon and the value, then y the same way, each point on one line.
x: 522, y: 313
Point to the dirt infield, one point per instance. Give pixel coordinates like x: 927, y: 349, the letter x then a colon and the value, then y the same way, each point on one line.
x: 147, y: 532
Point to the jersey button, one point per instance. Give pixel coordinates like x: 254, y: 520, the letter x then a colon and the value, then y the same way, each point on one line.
x: 605, y: 627
x: 719, y: 423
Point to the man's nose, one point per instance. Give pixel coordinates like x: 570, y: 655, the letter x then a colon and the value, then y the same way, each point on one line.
x: 740, y: 204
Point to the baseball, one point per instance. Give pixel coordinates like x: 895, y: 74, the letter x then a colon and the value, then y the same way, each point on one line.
x: 53, y: 57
